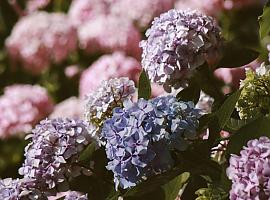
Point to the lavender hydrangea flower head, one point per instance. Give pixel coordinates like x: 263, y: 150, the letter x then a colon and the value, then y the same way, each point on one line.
x: 112, y: 93
x: 177, y: 43
x: 53, y: 153
x: 249, y: 172
x: 19, y: 189
x: 139, y: 137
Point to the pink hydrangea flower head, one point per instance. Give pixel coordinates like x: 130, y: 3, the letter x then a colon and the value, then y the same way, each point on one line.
x: 34, y: 5
x: 71, y: 107
x: 109, y: 34
x: 107, y: 67
x: 141, y: 12
x: 82, y: 11
x: 41, y: 38
x: 21, y: 107
x: 189, y: 4
x: 249, y: 171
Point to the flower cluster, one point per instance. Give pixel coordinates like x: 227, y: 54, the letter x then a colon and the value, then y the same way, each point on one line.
x: 177, y: 43
x: 51, y: 157
x: 37, y: 45
x: 254, y: 99
x: 249, y: 172
x: 112, y: 93
x: 139, y: 137
x: 19, y: 189
x: 21, y: 107
x: 107, y: 67
x: 82, y: 11
x: 99, y: 35
x: 141, y: 12
x: 71, y: 107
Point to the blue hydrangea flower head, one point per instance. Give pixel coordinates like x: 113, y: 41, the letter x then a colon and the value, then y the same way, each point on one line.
x: 139, y: 137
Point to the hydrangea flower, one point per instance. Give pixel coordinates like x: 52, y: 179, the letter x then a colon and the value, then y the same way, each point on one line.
x: 37, y: 45
x: 141, y: 12
x: 99, y: 35
x: 82, y: 11
x: 108, y: 66
x: 139, y: 137
x: 177, y: 43
x: 112, y: 93
x: 71, y: 107
x: 21, y: 107
x: 19, y: 189
x: 249, y: 172
x: 254, y: 100
x: 51, y: 157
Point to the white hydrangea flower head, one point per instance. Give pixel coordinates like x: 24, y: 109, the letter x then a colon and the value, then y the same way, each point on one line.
x: 112, y: 93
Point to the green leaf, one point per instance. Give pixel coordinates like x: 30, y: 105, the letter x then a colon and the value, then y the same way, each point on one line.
x: 191, y: 93
x: 87, y: 153
x: 235, y: 55
x: 253, y: 130
x: 152, y: 183
x: 234, y: 125
x: 264, y: 21
x: 172, y: 188
x: 144, y: 88
x: 224, y: 113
